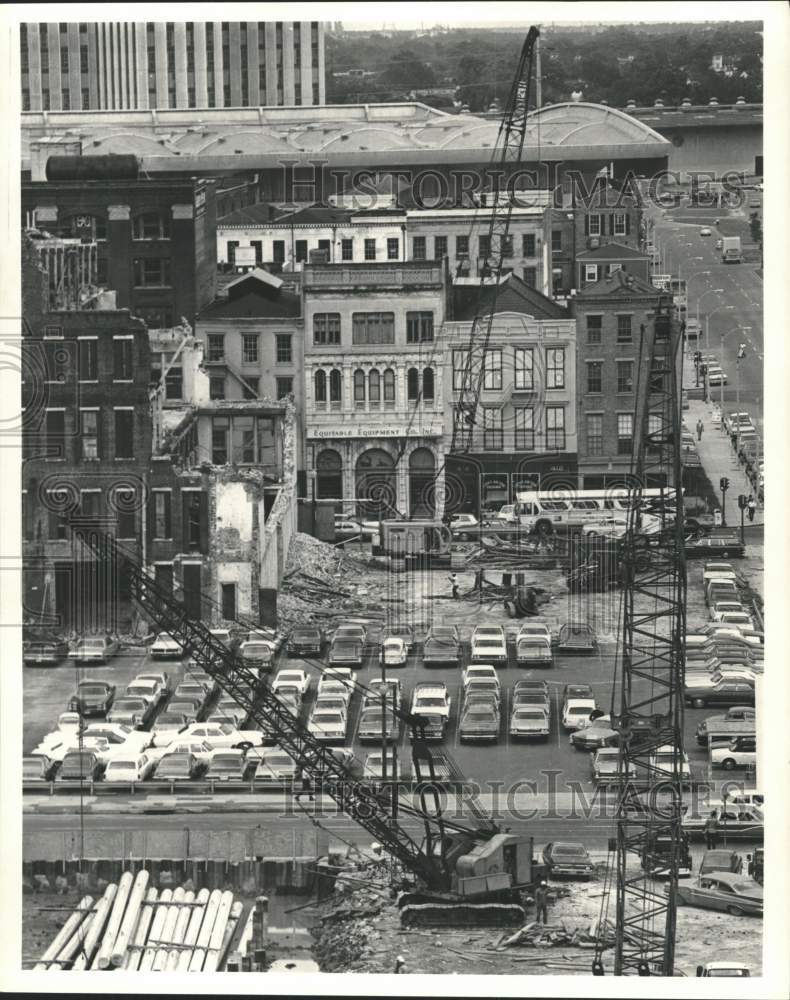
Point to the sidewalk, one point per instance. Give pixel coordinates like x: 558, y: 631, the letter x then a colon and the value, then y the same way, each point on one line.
x: 719, y: 459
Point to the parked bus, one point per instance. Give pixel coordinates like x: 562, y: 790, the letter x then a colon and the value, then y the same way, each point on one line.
x: 546, y: 511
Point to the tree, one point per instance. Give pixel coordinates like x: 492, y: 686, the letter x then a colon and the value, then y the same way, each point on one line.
x: 405, y: 70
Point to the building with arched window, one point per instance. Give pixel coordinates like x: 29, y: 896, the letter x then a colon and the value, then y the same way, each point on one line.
x: 373, y: 386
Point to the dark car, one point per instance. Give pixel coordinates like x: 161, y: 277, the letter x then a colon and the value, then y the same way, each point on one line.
x: 134, y: 712
x: 597, y: 735
x: 37, y: 767
x: 44, y: 651
x: 80, y: 765
x: 231, y: 765
x: 346, y: 653
x: 565, y: 858
x: 714, y: 546
x: 306, y: 641
x: 441, y: 646
x: 721, y: 860
x: 479, y: 721
x: 179, y: 767
x: 92, y: 698
x: 718, y: 689
x: 190, y: 708
x: 370, y: 726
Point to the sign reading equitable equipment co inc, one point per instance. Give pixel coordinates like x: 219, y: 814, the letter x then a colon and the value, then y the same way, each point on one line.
x: 353, y: 431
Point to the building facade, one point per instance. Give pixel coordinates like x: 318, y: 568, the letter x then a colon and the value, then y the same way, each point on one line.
x: 524, y: 436
x: 171, y: 64
x: 594, y: 265
x: 609, y: 316
x: 156, y: 239
x: 373, y: 386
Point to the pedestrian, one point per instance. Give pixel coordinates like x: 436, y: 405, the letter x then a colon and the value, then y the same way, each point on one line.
x: 750, y: 866
x: 700, y: 429
x: 751, y: 506
x: 453, y: 578
x: 400, y: 965
x: 711, y: 830
x: 541, y: 901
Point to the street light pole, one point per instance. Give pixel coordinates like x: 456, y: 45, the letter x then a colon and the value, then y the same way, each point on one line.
x: 741, y: 354
x: 707, y: 324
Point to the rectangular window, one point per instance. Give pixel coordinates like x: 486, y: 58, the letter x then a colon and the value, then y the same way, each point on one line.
x: 620, y: 224
x: 194, y: 520
x: 124, y: 434
x: 151, y: 271
x: 655, y: 428
x: 346, y: 249
x: 174, y: 383
x: 484, y: 245
x: 528, y: 245
x: 249, y: 348
x: 89, y: 369
x: 595, y: 434
x: 301, y: 251
x: 257, y: 246
x: 461, y: 247
x: 89, y: 435
x: 594, y: 225
x: 419, y: 327
x: 220, y: 428
x: 625, y: 376
x: 122, y: 359
x: 216, y: 347
x: 284, y: 353
x: 216, y: 387
x: 625, y: 433
x: 524, y: 427
x: 460, y: 373
x: 524, y: 369
x: 58, y: 522
x: 492, y: 374
x: 556, y: 241
x: 126, y: 522
x: 555, y: 368
x: 55, y: 431
x: 373, y: 328
x: 506, y: 246
x: 163, y: 524
x: 595, y: 376
x: 590, y: 273
x: 326, y: 328
x: 249, y: 388
x: 151, y: 226
x: 285, y: 386
x: 393, y: 248
x: 278, y: 251
x: 228, y: 601
x: 555, y: 428
x: 90, y: 502
x: 418, y: 248
x: 243, y: 429
x: 531, y: 276
x: 439, y: 247
x: 624, y: 329
x: 370, y: 249
x: 493, y: 435
x: 594, y: 329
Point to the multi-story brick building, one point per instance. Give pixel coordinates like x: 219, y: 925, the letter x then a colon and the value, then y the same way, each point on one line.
x: 373, y: 384
x: 609, y: 316
x: 593, y: 265
x: 525, y: 432
x: 156, y: 240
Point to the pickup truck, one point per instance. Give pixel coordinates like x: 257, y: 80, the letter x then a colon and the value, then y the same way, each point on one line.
x: 346, y: 652
x: 433, y: 703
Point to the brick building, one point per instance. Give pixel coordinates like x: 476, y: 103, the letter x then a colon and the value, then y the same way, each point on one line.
x: 609, y: 316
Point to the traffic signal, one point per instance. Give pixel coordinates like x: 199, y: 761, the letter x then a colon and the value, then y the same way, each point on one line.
x: 724, y: 484
x: 698, y: 356
x: 743, y: 500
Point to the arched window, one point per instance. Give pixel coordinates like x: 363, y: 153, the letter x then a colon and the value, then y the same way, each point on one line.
x: 335, y: 386
x: 359, y: 386
x: 319, y: 384
x: 427, y: 384
x: 412, y: 384
x: 374, y: 386
x: 389, y: 385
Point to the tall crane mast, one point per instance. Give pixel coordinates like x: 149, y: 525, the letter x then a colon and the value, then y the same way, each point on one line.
x: 508, y: 150
x: 650, y: 716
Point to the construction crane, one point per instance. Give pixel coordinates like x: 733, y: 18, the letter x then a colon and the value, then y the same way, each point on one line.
x: 650, y: 837
x: 507, y: 150
x: 463, y: 873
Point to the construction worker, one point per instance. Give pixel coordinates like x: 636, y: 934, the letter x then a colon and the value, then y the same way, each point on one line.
x: 541, y: 901
x: 453, y: 578
x: 711, y: 831
x: 400, y: 965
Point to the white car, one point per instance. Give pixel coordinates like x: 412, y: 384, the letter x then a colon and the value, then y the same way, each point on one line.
x: 740, y: 618
x: 345, y: 675
x: 69, y: 723
x: 607, y: 527
x: 716, y: 376
x: 299, y: 679
x: 222, y: 634
x: 722, y: 607
x: 119, y: 737
x: 164, y: 646
x: 480, y: 671
x: 130, y: 768
x: 396, y: 766
x: 489, y: 645
x: 661, y: 761
x: 741, y: 751
x: 218, y: 735
x: 151, y: 690
x: 534, y: 628
x: 704, y: 231
x: 431, y: 699
x: 330, y: 688
x: 507, y: 514
x: 463, y: 525
x: 275, y: 766
x: 576, y: 713
x: 328, y: 724
x: 394, y: 652
x: 167, y: 727
x: 199, y: 748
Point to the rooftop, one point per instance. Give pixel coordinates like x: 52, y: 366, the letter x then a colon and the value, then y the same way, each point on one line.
x: 515, y: 296
x: 619, y: 284
x: 256, y: 294
x: 612, y: 251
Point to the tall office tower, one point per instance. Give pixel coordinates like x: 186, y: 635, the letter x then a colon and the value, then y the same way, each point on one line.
x: 171, y: 64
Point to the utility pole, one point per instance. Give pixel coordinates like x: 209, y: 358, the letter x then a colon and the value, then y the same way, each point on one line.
x: 724, y: 485
x: 740, y: 356
x: 742, y: 504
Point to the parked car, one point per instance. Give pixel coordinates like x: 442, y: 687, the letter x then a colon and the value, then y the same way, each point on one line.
x: 740, y: 618
x: 718, y: 689
x: 229, y: 708
x: 441, y: 646
x: 351, y: 630
x: 533, y: 651
x: 723, y: 891
x: 578, y: 702
x: 38, y: 767
x: 724, y: 970
x: 736, y: 713
x: 606, y: 527
x: 536, y: 629
x: 716, y: 376
x: 704, y: 231
x: 374, y: 721
x: 346, y: 652
x: 397, y: 768
x: 276, y: 767
x: 394, y: 652
x: 529, y: 722
x: 464, y: 526
x: 433, y: 702
x: 80, y: 765
x: 167, y: 727
x: 389, y: 688
x: 224, y: 636
x: 305, y: 641
x: 721, y: 860
x: 190, y: 708
x: 134, y: 712
x: 195, y: 676
x: 257, y: 654
x: 736, y: 821
x: 44, y: 651
x: 179, y: 766
x: 606, y: 769
x: 479, y: 721
x: 566, y: 858
x: 230, y: 765
x: 576, y: 637
x: 506, y: 514
x: 131, y: 768
x: 725, y: 546
x: 480, y: 671
x: 485, y: 684
x: 721, y: 607
x: 300, y: 679
x: 337, y: 679
x: 328, y: 725
x: 662, y: 765
x: 119, y: 738
x: 289, y: 697
x: 150, y: 690
x: 489, y: 645
x: 191, y: 691
x: 95, y: 649
x: 220, y: 736
x: 741, y: 751
x: 162, y: 678
x: 92, y: 698
x: 597, y: 735
x: 527, y: 692
x: 165, y: 646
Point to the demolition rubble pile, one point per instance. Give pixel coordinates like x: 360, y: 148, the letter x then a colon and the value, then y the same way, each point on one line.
x: 535, y: 935
x: 135, y: 927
